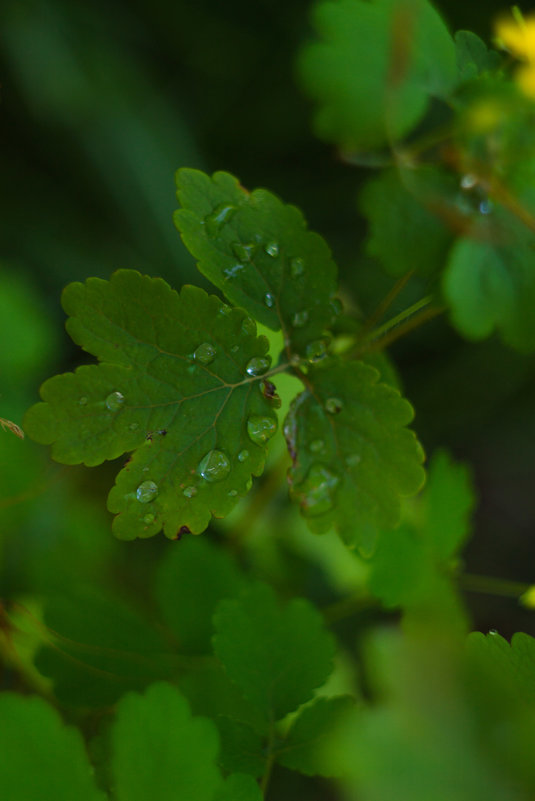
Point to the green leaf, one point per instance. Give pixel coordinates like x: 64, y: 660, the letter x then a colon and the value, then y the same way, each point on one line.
x: 239, y: 787
x: 375, y: 68
x: 188, y: 602
x: 404, y: 233
x: 173, y: 387
x: 352, y: 455
x: 304, y: 747
x: 259, y: 253
x: 161, y: 751
x: 97, y: 648
x: 511, y: 667
x: 42, y: 759
x: 411, y: 563
x: 473, y: 55
x: 242, y: 749
x: 277, y: 656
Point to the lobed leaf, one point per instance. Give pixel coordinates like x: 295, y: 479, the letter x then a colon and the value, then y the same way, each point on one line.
x: 473, y: 55
x: 374, y: 69
x: 259, y: 253
x: 41, y: 758
x: 353, y: 457
x: 276, y: 656
x: 411, y: 563
x: 179, y: 384
x: 161, y: 751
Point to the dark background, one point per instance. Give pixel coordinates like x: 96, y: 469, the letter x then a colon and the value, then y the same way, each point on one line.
x: 101, y: 102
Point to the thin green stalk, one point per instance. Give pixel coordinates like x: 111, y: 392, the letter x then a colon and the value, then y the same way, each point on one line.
x: 490, y: 585
x: 270, y: 760
x: 414, y: 322
x: 385, y: 304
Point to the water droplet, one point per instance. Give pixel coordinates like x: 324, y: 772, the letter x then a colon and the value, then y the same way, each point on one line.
x: 295, y: 360
x: 114, y: 401
x: 260, y: 429
x: 269, y: 300
x: 148, y: 519
x: 243, y: 252
x: 220, y: 215
x: 232, y: 272
x: 297, y: 267
x: 243, y: 456
x: 257, y: 365
x: 272, y: 249
x: 232, y: 493
x: 234, y: 348
x: 205, y: 353
x: 248, y: 326
x: 133, y: 426
x: 353, y: 459
x: 334, y: 405
x: 316, y: 494
x: 316, y: 350
x: 190, y: 492
x: 147, y: 491
x: 300, y: 318
x: 225, y: 309
x: 83, y: 401
x: 317, y: 445
x: 468, y: 181
x: 493, y: 632
x: 145, y: 469
x: 215, y: 466
x: 486, y: 206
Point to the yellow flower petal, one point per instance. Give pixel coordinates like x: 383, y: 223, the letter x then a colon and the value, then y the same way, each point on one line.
x: 518, y: 36
x: 525, y: 78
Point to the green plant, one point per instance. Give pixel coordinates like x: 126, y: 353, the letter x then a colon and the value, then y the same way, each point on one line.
x: 234, y: 673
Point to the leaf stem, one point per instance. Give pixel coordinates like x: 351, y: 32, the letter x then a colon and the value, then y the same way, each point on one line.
x: 385, y: 304
x: 270, y: 760
x: 490, y: 585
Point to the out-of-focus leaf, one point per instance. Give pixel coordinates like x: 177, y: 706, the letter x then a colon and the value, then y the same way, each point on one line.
x: 161, y: 751
x: 40, y: 758
x: 239, y: 787
x: 375, y: 67
x: 277, y: 656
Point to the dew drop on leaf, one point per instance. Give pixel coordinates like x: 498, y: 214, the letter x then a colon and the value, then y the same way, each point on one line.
x: 190, y: 492
x: 215, y: 466
x: 316, y: 350
x: 257, y: 365
x: 272, y: 249
x: 82, y: 401
x: 316, y: 494
x: 486, y: 207
x: 148, y: 519
x: 353, y: 459
x: 232, y: 493
x: 336, y: 306
x: 317, y: 445
x: 220, y: 215
x: 234, y: 348
x: 260, y: 429
x: 468, y: 181
x: 147, y: 491
x: 334, y: 405
x: 114, y: 401
x: 205, y: 353
x: 297, y: 267
x: 243, y: 252
x: 300, y: 318
x: 269, y: 300
x: 133, y: 426
x: 243, y: 456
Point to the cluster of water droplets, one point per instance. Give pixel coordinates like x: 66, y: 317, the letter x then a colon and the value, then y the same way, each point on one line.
x: 471, y: 183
